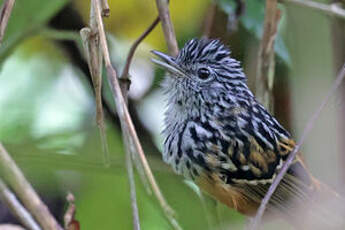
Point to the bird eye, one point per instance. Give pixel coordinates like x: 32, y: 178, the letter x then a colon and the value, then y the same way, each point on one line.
x: 203, y: 73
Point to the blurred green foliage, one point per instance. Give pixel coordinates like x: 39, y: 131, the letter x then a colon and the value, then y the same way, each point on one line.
x: 253, y: 19
x: 28, y: 16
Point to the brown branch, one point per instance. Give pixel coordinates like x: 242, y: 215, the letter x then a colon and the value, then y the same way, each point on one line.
x: 135, y: 45
x: 91, y: 47
x: 130, y: 152
x: 133, y: 194
x: 125, y: 119
x: 17, y: 208
x: 256, y: 222
x: 90, y: 37
x: 266, y: 62
x: 209, y: 19
x: 5, y: 14
x: 234, y: 16
x: 167, y: 26
x: 15, y: 178
x: 124, y: 83
x: 332, y: 9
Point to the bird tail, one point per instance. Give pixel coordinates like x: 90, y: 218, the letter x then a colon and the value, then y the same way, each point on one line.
x: 314, y: 205
x: 324, y: 209
x: 302, y: 200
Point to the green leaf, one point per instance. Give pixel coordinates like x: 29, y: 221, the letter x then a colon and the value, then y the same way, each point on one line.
x: 26, y: 17
x: 253, y: 20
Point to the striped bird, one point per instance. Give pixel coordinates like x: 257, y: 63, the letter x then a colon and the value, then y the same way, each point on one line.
x: 218, y: 135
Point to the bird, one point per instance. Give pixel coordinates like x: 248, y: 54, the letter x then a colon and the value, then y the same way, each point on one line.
x: 219, y: 136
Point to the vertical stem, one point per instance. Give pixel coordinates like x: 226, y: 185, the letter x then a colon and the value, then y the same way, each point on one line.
x: 130, y: 153
x: 167, y: 26
x: 129, y: 163
x: 209, y: 19
x: 210, y: 207
x: 91, y: 45
x: 133, y: 195
x: 266, y: 62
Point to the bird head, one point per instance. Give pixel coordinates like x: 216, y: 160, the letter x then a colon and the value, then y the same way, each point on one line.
x: 202, y: 70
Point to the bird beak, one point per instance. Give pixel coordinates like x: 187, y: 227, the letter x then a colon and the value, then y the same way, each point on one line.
x: 168, y: 63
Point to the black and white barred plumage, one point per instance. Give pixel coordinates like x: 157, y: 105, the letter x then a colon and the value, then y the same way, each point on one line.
x: 218, y: 118
x: 218, y: 135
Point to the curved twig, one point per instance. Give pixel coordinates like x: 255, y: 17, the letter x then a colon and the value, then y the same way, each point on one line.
x: 135, y: 45
x: 266, y: 63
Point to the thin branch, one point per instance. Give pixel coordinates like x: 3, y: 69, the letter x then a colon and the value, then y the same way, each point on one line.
x: 210, y: 209
x: 90, y: 37
x: 332, y: 9
x: 124, y: 83
x: 5, y: 14
x: 133, y: 195
x: 234, y: 16
x: 209, y: 19
x: 130, y: 157
x: 135, y: 45
x: 91, y: 47
x: 256, y: 222
x: 167, y: 26
x: 15, y: 178
x: 266, y: 62
x: 125, y: 118
x: 130, y: 152
x: 17, y: 208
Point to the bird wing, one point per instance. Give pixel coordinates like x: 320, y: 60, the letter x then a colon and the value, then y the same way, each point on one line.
x: 243, y: 156
x: 245, y: 197
x: 252, y: 147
